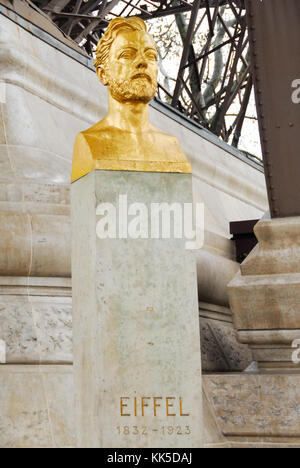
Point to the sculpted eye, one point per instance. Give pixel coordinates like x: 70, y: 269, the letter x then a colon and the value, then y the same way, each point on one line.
x: 151, y: 56
x: 127, y: 54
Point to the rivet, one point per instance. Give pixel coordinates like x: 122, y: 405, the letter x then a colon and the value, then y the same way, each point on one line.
x: 291, y: 124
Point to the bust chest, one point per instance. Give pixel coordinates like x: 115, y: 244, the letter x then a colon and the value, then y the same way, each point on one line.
x: 122, y: 145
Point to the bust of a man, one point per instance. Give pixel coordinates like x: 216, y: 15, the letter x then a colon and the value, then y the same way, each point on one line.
x: 126, y: 62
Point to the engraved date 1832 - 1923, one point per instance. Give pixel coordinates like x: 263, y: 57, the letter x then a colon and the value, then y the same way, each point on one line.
x: 145, y: 430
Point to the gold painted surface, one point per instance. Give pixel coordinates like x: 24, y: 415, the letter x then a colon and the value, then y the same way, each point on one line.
x: 126, y: 62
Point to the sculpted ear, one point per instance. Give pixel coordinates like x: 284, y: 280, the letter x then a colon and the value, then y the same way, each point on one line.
x: 102, y: 76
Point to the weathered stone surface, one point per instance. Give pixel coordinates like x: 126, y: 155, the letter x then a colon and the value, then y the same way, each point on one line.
x: 36, y: 407
x: 40, y: 308
x: 5, y: 166
x: 265, y: 443
x: 30, y: 243
x: 213, y: 437
x: 265, y: 295
x: 239, y: 411
x: 2, y: 127
x: 135, y: 320
x: 278, y: 296
x: 255, y: 405
x: 278, y: 251
x: 212, y: 356
x: 36, y: 329
x: 220, y: 350
x: 215, y: 271
x: 2, y: 352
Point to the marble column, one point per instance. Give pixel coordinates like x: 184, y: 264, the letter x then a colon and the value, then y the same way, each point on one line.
x: 136, y: 326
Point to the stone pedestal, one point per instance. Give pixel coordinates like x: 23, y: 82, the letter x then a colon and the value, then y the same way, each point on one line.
x: 265, y: 295
x: 135, y: 318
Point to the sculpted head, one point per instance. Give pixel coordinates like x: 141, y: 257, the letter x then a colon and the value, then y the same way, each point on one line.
x: 126, y: 60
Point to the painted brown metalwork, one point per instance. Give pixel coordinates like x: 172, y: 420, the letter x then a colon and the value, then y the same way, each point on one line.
x: 275, y: 47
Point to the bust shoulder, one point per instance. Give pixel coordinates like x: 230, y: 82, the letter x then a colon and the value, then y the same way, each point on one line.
x: 164, y: 136
x: 103, y: 132
x: 104, y: 146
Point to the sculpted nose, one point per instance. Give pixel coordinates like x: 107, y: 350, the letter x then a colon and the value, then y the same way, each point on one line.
x: 142, y: 63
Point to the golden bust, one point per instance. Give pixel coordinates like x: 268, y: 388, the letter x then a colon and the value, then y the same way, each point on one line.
x: 126, y: 62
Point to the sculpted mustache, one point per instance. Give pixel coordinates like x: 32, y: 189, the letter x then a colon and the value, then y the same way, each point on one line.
x: 142, y: 75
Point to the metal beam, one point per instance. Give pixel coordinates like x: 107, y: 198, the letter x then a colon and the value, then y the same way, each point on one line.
x: 275, y: 51
x: 185, y: 52
x: 108, y: 7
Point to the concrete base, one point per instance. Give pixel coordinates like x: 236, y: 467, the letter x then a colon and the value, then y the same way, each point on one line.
x: 265, y: 295
x: 135, y: 322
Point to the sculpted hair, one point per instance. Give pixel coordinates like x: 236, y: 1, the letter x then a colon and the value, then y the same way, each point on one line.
x: 115, y: 26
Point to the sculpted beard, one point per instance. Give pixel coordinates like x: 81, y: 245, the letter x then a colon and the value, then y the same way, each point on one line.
x: 137, y: 89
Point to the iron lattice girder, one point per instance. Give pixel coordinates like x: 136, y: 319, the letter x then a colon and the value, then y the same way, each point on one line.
x: 64, y: 11
x: 238, y: 78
